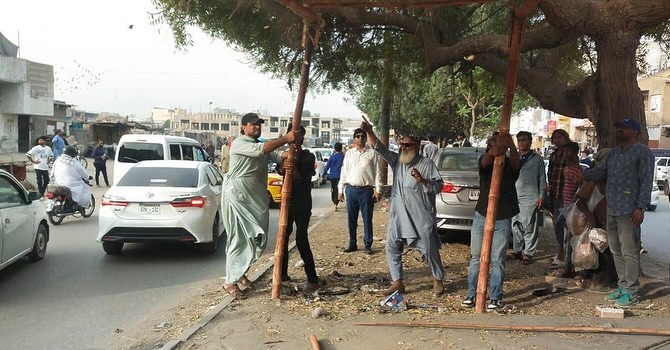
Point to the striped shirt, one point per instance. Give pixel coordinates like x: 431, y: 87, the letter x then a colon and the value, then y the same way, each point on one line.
x: 572, y: 175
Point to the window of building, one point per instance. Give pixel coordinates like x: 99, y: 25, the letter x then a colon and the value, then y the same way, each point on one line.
x: 215, y: 126
x: 195, y: 126
x: 274, y: 129
x: 225, y: 127
x: 205, y: 126
x: 325, y: 125
x: 655, y: 103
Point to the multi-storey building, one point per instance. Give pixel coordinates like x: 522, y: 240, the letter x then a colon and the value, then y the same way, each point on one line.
x: 655, y: 90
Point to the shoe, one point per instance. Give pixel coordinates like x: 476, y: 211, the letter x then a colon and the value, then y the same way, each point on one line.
x: 643, y: 251
x: 350, y: 249
x: 397, y: 286
x: 285, y: 278
x: 368, y: 250
x: 468, y: 302
x: 494, y: 304
x: 311, y: 287
x: 615, y: 295
x: 627, y: 300
x: 438, y: 288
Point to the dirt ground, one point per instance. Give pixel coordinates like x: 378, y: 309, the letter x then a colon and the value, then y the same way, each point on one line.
x: 262, y: 323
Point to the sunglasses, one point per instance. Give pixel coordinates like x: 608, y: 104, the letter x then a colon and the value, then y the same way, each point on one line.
x: 359, y: 136
x: 408, y: 145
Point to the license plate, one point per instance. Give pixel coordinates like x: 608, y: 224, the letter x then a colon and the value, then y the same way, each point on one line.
x: 50, y: 204
x: 150, y: 209
x: 473, y: 195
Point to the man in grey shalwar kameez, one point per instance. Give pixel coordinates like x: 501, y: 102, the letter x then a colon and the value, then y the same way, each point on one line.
x: 530, y: 188
x: 244, y: 204
x: 416, y: 181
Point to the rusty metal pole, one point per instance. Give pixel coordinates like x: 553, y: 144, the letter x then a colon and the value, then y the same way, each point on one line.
x: 309, y: 41
x: 494, y: 192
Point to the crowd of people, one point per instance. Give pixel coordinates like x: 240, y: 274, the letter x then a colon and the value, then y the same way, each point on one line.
x: 611, y: 195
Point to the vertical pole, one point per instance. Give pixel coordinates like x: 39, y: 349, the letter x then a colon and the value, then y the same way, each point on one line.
x: 309, y: 38
x: 386, y: 102
x: 494, y: 193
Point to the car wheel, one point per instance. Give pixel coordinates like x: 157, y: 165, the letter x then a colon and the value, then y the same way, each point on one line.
x: 210, y: 247
x: 53, y: 214
x: 112, y: 248
x: 40, y: 245
x: 88, y: 211
x: 651, y: 207
x: 666, y: 188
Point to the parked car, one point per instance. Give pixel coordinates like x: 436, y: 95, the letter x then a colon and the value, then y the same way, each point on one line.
x: 275, y: 182
x: 25, y: 231
x: 655, y: 195
x: 662, y: 170
x: 325, y: 152
x: 459, y: 169
x: 163, y: 200
x: 319, y: 164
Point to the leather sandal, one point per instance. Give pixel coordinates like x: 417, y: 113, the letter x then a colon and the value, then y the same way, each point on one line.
x: 397, y: 286
x: 233, y: 290
x: 245, y: 282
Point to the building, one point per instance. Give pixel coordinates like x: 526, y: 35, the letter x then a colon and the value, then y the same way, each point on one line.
x: 26, y: 100
x: 655, y: 90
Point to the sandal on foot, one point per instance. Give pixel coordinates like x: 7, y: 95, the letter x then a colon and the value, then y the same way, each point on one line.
x: 245, y: 282
x: 233, y: 290
x: 527, y: 260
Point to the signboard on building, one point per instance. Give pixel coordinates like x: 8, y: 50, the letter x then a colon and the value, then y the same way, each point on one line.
x: 551, y: 126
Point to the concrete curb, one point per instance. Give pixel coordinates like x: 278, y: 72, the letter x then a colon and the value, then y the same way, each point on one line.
x: 227, y: 300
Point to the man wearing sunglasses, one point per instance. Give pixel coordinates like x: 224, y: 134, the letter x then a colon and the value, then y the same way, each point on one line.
x: 360, y: 180
x: 416, y: 182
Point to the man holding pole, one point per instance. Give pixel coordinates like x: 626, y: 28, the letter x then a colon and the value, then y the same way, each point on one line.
x: 412, y: 222
x: 508, y: 207
x: 244, y: 206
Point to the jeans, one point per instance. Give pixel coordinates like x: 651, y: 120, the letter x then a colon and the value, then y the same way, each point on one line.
x: 624, y: 242
x: 501, y: 236
x: 333, y: 191
x: 100, y: 168
x: 42, y: 180
x: 359, y: 199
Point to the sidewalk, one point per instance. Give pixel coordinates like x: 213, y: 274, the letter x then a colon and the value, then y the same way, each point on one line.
x: 262, y: 323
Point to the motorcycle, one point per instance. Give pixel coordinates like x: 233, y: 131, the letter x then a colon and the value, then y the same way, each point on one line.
x: 60, y: 204
x: 82, y: 160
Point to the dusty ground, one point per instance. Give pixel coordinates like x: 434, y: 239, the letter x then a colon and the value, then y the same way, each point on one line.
x: 260, y: 322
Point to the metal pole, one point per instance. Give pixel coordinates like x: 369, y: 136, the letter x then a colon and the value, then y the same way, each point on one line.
x: 309, y: 38
x: 494, y: 193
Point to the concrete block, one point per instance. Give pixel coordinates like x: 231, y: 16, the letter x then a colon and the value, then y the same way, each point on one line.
x: 609, y: 312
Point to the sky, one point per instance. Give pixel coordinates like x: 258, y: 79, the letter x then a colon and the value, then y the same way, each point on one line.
x: 102, y: 65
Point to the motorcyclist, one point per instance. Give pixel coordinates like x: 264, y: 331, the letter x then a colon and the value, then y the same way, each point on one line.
x: 68, y: 172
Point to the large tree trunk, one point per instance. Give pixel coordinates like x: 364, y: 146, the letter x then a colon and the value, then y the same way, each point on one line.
x: 617, y: 95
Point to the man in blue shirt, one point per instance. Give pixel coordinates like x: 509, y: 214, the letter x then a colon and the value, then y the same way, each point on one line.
x: 629, y: 172
x: 335, y: 165
x: 58, y: 143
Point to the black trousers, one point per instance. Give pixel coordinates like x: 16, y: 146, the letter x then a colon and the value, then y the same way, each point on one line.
x: 333, y: 190
x: 42, y: 180
x: 100, y: 168
x: 300, y: 211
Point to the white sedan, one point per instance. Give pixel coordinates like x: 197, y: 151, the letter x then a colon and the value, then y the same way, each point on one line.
x: 24, y: 230
x: 163, y: 200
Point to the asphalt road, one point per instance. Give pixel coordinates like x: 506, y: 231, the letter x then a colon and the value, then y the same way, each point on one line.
x: 78, y: 296
x: 656, y: 240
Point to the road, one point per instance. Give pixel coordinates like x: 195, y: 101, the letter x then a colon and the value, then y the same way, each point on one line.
x: 77, y: 296
x: 656, y: 240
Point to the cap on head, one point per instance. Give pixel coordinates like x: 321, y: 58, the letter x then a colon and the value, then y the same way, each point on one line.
x: 629, y: 123
x: 251, y: 118
x: 414, y: 137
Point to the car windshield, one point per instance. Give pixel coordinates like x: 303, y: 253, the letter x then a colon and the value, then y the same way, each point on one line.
x: 458, y: 161
x: 160, y: 177
x: 135, y: 152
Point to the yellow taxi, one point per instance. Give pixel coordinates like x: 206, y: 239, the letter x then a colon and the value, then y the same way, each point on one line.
x: 275, y: 182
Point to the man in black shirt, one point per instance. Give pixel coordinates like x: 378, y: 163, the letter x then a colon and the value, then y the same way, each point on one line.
x: 508, y: 206
x: 300, y: 211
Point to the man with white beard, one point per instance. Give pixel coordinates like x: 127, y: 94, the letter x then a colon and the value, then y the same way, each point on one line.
x: 416, y: 182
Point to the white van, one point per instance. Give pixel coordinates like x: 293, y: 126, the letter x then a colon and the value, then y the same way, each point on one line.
x: 134, y: 148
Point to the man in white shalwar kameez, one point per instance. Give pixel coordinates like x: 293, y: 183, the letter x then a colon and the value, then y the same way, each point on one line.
x: 68, y: 172
x: 413, y: 221
x: 244, y: 204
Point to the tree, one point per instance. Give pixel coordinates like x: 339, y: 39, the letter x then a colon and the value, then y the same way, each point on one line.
x: 559, y: 34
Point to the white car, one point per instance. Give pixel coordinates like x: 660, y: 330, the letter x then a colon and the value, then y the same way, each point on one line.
x: 163, y: 200
x: 319, y: 164
x: 655, y: 195
x: 24, y: 230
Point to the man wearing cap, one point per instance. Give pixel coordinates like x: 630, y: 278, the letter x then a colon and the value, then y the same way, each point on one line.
x: 628, y: 171
x: 412, y: 220
x: 360, y: 180
x: 244, y: 204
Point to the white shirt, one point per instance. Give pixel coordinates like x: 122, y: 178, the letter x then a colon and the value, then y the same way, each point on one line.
x: 41, y: 154
x: 360, y: 169
x: 70, y: 173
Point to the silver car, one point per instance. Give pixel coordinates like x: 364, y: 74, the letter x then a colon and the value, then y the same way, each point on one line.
x: 459, y: 169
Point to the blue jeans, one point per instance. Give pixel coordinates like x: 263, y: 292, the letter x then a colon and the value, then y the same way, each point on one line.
x: 359, y: 199
x: 501, y: 236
